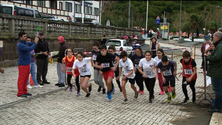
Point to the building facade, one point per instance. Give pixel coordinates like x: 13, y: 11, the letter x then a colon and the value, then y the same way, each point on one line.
x: 66, y: 10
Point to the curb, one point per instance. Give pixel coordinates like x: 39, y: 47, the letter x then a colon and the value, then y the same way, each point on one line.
x: 7, y: 105
x: 216, y: 119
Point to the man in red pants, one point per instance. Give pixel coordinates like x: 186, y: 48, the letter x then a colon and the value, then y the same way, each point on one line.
x: 24, y: 49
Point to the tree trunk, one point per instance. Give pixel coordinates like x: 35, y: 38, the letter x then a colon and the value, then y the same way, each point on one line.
x: 197, y: 32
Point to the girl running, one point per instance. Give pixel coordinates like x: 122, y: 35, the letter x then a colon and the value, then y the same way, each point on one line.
x: 149, y: 73
x: 68, y: 62
x: 85, y: 72
x: 139, y: 77
x: 128, y: 74
x: 158, y: 58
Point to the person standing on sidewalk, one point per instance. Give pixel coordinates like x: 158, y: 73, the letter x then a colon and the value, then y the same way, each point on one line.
x: 215, y: 70
x: 32, y: 67
x: 42, y: 49
x: 148, y: 64
x: 24, y: 49
x: 128, y: 74
x: 154, y: 46
x: 98, y: 76
x: 139, y: 77
x: 189, y: 75
x: 205, y: 48
x: 104, y: 62
x: 168, y: 70
x: 60, y: 56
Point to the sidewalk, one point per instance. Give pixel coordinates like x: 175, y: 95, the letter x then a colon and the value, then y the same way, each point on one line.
x: 53, y: 105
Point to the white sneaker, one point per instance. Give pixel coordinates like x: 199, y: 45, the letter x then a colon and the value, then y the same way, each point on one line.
x: 29, y: 86
x: 38, y: 86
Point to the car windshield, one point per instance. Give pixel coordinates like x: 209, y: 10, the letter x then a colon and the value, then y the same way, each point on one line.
x: 113, y: 42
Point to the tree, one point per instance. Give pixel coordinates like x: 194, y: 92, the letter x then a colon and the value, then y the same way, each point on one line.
x: 196, y: 23
x: 187, y: 28
x: 213, y: 27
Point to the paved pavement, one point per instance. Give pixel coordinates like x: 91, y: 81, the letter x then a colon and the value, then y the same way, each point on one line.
x: 53, y: 105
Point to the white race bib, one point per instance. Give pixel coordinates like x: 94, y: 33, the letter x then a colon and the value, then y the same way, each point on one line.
x: 105, y: 65
x: 94, y: 57
x: 167, y: 72
x: 68, y: 69
x: 188, y: 71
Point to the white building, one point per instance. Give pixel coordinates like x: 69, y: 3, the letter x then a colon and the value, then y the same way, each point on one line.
x: 66, y: 10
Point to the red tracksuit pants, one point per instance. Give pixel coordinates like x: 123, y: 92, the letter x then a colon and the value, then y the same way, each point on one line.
x: 22, y: 79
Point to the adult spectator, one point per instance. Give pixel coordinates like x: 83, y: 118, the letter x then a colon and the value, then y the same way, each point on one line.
x: 103, y: 40
x: 205, y: 48
x: 215, y: 70
x: 154, y: 46
x: 42, y: 49
x: 24, y: 49
x: 60, y: 56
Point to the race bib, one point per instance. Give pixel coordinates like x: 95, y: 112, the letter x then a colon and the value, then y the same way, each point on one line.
x: 188, y: 71
x: 167, y: 72
x: 149, y: 73
x: 83, y: 68
x: 69, y: 69
x: 105, y: 65
x: 94, y: 57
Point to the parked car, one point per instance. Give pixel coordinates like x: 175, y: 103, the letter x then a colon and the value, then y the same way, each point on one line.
x: 21, y: 11
x: 120, y: 45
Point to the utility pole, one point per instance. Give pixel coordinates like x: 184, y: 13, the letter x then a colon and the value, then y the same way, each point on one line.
x: 129, y: 15
x: 180, y: 17
x: 147, y: 10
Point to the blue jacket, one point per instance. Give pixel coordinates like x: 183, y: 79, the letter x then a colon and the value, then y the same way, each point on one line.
x: 24, y: 48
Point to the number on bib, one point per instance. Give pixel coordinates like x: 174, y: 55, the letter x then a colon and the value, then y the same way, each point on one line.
x: 94, y: 57
x: 69, y: 69
x: 188, y: 71
x: 148, y: 73
x: 105, y: 65
x: 167, y: 72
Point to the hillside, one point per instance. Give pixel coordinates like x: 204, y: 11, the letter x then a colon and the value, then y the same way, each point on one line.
x: 117, y: 13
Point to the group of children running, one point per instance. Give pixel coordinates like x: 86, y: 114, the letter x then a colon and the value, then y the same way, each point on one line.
x: 140, y: 67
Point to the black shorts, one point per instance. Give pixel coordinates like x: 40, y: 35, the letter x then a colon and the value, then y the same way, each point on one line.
x: 86, y: 76
x: 132, y: 81
x: 170, y: 82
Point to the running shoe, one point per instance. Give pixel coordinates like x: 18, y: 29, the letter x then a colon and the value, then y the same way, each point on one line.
x: 169, y: 99
x: 78, y: 94
x: 150, y: 100
x: 161, y: 93
x: 109, y: 97
x: 104, y: 91
x: 90, y: 88
x: 88, y: 94
x: 99, y: 89
x: 125, y: 100
x: 29, y: 86
x: 173, y: 95
x: 136, y: 94
x: 185, y: 100
x: 70, y: 89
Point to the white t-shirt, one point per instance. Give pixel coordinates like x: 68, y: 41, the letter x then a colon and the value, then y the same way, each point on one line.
x: 128, y: 66
x: 158, y: 61
x: 83, y: 66
x: 148, y: 67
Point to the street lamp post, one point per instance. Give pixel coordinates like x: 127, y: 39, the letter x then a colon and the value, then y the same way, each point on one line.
x: 129, y: 15
x: 180, y: 18
x: 147, y: 10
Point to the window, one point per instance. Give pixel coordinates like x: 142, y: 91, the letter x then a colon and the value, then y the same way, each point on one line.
x: 37, y: 14
x: 68, y: 6
x: 53, y: 4
x: 6, y: 10
x: 113, y: 42
x: 96, y: 11
x: 86, y: 10
x: 29, y: 2
x: 126, y: 43
x: 78, y: 8
x: 75, y: 7
x: 29, y: 13
x: 60, y: 6
x: 90, y: 10
x: 41, y: 3
x: 18, y: 1
x: 21, y: 12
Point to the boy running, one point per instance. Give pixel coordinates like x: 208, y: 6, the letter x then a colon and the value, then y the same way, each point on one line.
x: 168, y: 70
x: 189, y: 75
x: 104, y: 62
x: 128, y: 74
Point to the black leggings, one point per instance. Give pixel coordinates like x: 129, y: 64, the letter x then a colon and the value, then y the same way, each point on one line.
x: 117, y: 81
x: 192, y: 86
x: 77, y: 81
x: 150, y: 82
x: 139, y: 80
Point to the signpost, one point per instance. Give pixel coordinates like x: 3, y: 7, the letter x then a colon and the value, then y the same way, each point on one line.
x: 158, y: 20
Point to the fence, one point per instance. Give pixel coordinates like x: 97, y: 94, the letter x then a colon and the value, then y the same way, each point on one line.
x: 11, y: 25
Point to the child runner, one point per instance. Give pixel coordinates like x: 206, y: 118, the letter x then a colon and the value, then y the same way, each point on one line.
x: 168, y: 70
x: 189, y: 75
x: 128, y: 74
x: 68, y: 62
x: 104, y: 61
x: 149, y: 73
x: 98, y: 77
x: 85, y: 72
x: 112, y: 50
x: 139, y: 77
x: 158, y: 58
